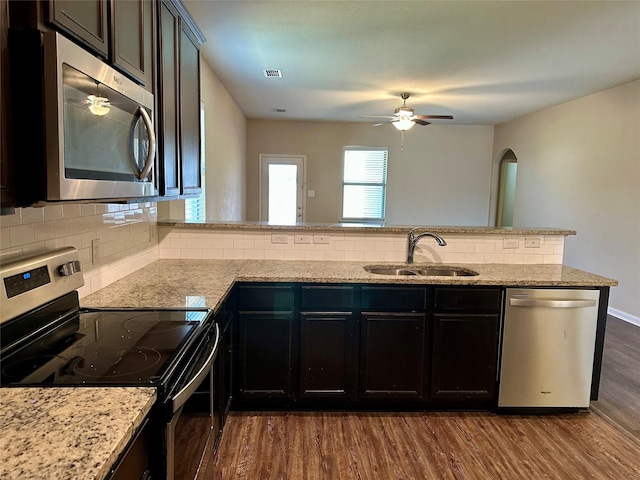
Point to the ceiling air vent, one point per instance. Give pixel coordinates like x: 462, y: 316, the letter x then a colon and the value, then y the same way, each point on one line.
x: 280, y: 110
x: 272, y: 73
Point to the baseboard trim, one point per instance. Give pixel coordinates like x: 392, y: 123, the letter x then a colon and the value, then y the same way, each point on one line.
x: 627, y: 317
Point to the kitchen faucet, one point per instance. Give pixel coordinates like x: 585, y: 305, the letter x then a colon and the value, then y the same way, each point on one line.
x: 413, y: 240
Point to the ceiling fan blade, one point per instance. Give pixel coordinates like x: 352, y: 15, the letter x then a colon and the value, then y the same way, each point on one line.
x: 379, y: 124
x: 440, y: 117
x: 376, y: 116
x: 421, y: 122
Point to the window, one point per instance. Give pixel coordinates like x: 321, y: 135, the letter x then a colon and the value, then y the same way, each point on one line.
x: 194, y: 208
x: 364, y: 186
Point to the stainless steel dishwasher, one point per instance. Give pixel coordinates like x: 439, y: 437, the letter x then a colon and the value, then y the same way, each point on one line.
x: 548, y: 346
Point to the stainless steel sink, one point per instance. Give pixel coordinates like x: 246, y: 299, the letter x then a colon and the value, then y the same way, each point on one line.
x: 420, y: 271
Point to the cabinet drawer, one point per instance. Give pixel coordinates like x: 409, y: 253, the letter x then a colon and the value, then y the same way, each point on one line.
x: 468, y: 299
x: 394, y: 298
x: 326, y: 298
x: 265, y: 297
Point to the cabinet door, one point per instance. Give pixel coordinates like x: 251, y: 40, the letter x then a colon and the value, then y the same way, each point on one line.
x: 392, y: 347
x: 6, y: 162
x: 264, y: 363
x: 85, y: 20
x: 189, y: 113
x: 134, y: 39
x: 168, y: 101
x: 326, y: 365
x: 465, y: 349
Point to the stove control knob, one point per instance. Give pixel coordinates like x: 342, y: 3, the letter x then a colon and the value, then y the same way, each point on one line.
x: 67, y: 269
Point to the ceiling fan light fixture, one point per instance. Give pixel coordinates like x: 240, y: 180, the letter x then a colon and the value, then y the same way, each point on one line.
x: 404, y: 111
x: 403, y: 124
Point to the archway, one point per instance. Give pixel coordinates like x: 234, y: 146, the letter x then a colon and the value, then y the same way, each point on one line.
x: 508, y: 168
x: 505, y: 161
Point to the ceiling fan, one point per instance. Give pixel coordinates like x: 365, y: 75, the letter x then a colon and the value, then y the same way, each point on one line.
x: 405, y: 116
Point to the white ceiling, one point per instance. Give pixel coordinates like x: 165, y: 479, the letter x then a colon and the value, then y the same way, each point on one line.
x: 484, y: 62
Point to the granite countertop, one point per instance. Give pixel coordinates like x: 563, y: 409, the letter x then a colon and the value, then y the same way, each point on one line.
x: 369, y: 228
x: 67, y: 433
x: 181, y: 283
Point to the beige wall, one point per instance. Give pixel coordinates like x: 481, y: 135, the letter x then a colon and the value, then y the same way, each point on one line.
x: 579, y: 168
x: 442, y: 178
x: 224, y: 156
x: 225, y: 137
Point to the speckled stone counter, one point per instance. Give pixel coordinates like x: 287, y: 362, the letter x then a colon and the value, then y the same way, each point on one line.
x: 67, y: 433
x: 180, y: 283
x: 369, y: 228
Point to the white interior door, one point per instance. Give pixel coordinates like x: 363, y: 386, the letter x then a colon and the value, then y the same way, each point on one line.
x: 282, y: 185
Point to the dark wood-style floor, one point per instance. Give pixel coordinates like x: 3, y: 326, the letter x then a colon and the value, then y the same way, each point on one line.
x: 619, y: 398
x: 460, y: 446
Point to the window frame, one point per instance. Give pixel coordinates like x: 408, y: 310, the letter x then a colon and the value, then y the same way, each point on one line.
x: 383, y: 184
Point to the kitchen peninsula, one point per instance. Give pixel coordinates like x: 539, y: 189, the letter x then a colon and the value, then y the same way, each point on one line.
x: 180, y: 282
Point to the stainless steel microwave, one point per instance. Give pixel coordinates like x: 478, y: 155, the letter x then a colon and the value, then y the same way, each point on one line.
x: 82, y: 130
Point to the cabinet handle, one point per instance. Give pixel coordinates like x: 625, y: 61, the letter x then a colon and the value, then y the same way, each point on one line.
x: 148, y: 165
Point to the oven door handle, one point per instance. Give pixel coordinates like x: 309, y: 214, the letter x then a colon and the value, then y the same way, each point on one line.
x: 179, y: 399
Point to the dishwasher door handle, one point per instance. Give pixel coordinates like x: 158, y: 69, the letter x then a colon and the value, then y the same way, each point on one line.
x: 551, y: 303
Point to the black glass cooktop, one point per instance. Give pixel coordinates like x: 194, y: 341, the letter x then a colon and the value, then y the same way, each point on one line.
x: 115, y: 347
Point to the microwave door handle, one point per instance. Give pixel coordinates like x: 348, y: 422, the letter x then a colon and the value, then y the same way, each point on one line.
x: 148, y: 165
x: 181, y: 397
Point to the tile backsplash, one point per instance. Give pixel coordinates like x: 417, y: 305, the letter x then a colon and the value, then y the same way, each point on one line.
x: 126, y: 235
x: 370, y: 247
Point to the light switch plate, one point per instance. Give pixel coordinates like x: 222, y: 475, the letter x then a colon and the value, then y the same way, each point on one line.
x: 321, y: 239
x: 302, y: 239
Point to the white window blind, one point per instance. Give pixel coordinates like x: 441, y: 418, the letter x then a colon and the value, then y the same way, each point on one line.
x: 364, y: 185
x: 194, y: 208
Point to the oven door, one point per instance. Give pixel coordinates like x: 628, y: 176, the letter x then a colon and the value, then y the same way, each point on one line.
x: 191, y: 420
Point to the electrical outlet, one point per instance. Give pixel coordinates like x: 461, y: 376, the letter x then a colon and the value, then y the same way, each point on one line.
x: 311, y: 193
x: 302, y: 239
x: 510, y: 243
x: 532, y: 242
x: 278, y: 238
x: 96, y: 250
x: 321, y: 239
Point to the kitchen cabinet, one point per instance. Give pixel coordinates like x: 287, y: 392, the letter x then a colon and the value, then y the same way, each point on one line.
x: 189, y: 111
x: 134, y: 39
x: 392, y: 342
x: 178, y: 101
x: 85, y: 21
x: 135, y: 461
x: 124, y: 35
x: 264, y: 362
x: 362, y: 345
x: 327, y: 342
x: 466, y: 324
x: 7, y: 192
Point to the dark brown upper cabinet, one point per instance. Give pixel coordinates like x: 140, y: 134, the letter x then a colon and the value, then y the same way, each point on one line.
x: 133, y: 39
x: 178, y: 101
x: 86, y: 21
x: 7, y: 190
x: 121, y: 31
